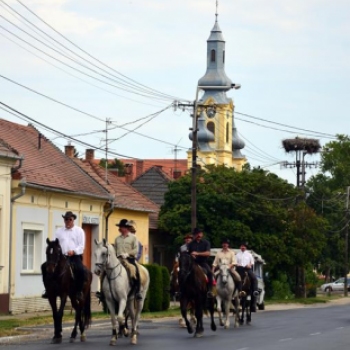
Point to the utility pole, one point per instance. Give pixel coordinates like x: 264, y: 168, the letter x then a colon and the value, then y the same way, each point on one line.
x: 346, y: 241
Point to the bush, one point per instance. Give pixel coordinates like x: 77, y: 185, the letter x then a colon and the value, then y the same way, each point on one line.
x: 280, y: 288
x: 166, y: 286
x: 155, y: 288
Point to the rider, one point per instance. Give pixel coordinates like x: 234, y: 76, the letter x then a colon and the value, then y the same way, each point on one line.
x: 199, y: 248
x: 126, y: 246
x: 187, y: 240
x: 72, y: 242
x: 245, y: 259
x: 132, y: 229
x: 230, y: 257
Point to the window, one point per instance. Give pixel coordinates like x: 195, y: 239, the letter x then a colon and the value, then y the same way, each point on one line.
x: 32, y: 247
x: 28, y: 250
x: 211, y: 127
x: 227, y: 132
x: 223, y: 56
x: 212, y: 56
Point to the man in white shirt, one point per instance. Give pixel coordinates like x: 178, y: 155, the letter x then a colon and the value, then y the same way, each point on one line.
x: 72, y: 242
x: 245, y: 261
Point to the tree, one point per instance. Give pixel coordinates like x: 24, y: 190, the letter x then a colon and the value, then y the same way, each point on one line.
x: 115, y: 164
x: 251, y: 205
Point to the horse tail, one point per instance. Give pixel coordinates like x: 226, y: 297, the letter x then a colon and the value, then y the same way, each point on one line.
x: 86, y: 312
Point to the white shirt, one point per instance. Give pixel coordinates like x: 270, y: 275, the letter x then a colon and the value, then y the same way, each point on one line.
x: 71, y: 239
x: 244, y: 258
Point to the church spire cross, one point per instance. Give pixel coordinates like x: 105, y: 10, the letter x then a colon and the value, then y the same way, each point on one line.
x: 216, y: 13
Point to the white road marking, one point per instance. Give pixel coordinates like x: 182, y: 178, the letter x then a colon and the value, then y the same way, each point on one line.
x: 317, y: 333
x: 285, y: 339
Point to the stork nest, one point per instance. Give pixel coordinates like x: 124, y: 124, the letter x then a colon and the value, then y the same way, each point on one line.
x: 301, y: 144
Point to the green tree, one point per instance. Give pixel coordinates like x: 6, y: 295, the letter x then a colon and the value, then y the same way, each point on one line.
x: 115, y: 164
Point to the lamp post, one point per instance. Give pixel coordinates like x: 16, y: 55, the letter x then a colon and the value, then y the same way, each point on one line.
x: 195, y: 146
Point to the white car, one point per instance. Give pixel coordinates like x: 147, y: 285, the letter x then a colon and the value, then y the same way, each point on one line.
x: 337, y: 285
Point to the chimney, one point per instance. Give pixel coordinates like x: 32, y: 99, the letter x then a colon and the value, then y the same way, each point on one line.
x: 128, y: 172
x: 90, y: 154
x: 69, y: 151
x: 139, y: 167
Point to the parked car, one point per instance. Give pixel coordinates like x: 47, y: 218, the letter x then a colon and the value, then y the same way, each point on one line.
x: 337, y: 285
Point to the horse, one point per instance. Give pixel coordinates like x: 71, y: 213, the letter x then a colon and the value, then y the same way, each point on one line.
x: 193, y: 289
x: 175, y: 292
x: 247, y: 296
x: 60, y: 283
x: 227, y: 293
x: 117, y: 289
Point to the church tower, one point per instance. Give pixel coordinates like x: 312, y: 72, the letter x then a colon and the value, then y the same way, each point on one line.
x: 217, y: 137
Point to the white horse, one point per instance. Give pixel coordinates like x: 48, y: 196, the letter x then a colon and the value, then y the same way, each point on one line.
x: 227, y: 293
x: 117, y: 289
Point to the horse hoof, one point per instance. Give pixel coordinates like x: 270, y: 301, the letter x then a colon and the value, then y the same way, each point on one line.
x: 56, y: 340
x: 126, y: 333
x: 83, y: 338
x: 226, y: 327
x: 213, y: 327
x: 222, y: 324
x: 198, y: 335
x: 113, y: 342
x: 133, y: 340
x: 71, y: 340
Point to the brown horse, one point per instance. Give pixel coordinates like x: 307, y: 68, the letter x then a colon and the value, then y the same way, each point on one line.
x: 175, y: 292
x: 247, y: 296
x: 193, y: 289
x: 60, y: 283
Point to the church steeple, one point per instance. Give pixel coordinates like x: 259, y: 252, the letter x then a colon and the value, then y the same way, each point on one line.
x: 215, y: 74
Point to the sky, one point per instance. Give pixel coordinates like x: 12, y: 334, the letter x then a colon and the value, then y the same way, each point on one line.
x: 81, y: 67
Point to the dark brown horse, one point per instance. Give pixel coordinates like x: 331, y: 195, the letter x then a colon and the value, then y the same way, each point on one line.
x: 247, y: 296
x: 60, y: 283
x: 193, y: 290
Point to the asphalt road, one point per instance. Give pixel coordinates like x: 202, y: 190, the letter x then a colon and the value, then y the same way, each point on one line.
x: 320, y: 328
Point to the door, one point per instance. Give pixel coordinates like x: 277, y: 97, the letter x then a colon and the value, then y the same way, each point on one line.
x: 87, y: 250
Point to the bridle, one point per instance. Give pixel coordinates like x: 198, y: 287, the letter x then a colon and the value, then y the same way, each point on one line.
x: 105, y: 265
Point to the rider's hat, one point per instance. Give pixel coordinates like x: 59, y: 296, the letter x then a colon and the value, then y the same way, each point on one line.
x: 196, y: 230
x: 245, y: 244
x: 68, y: 215
x: 123, y: 223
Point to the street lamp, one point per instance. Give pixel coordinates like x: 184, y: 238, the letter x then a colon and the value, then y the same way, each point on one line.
x: 195, y: 146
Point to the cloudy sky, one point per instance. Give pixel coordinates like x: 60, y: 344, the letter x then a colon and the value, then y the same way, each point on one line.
x: 122, y: 63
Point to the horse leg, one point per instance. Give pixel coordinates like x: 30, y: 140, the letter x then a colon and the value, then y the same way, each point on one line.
x: 211, y: 309
x: 227, y: 313
x: 235, y: 303
x: 241, y: 320
x: 57, y: 338
x: 183, y: 307
x: 199, y: 317
x: 111, y: 308
x: 134, y: 315
x: 249, y: 312
x: 219, y: 309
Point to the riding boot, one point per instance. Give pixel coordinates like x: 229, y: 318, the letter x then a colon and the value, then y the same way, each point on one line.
x: 241, y: 293
x: 210, y: 294
x: 138, y: 294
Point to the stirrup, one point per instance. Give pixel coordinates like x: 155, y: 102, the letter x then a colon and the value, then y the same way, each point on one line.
x: 45, y: 295
x: 210, y: 295
x: 242, y: 294
x: 255, y: 293
x: 138, y: 296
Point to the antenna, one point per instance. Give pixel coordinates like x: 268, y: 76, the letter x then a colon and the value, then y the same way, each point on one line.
x: 216, y: 13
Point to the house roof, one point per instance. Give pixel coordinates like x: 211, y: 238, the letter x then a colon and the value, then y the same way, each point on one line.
x: 125, y: 196
x: 44, y: 165
x: 153, y: 183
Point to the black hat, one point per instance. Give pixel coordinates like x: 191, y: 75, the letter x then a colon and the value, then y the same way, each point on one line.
x: 245, y: 244
x: 196, y: 230
x: 225, y: 240
x: 123, y: 223
x: 68, y: 215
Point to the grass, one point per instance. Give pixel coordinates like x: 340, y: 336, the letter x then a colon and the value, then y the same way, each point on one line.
x: 9, y: 326
x: 322, y: 299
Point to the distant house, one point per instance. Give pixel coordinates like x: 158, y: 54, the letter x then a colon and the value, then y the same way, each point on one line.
x: 38, y: 184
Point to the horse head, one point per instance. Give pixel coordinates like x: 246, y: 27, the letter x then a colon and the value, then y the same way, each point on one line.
x: 103, y: 254
x: 53, y: 255
x: 224, y: 271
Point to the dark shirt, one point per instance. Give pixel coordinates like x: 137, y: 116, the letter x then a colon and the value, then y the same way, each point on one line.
x: 201, y: 246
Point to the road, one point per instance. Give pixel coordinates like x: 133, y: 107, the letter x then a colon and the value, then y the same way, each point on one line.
x: 320, y: 328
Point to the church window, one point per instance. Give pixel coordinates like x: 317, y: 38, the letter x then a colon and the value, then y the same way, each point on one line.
x: 227, y: 132
x: 211, y: 127
x: 223, y: 56
x: 212, y: 56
